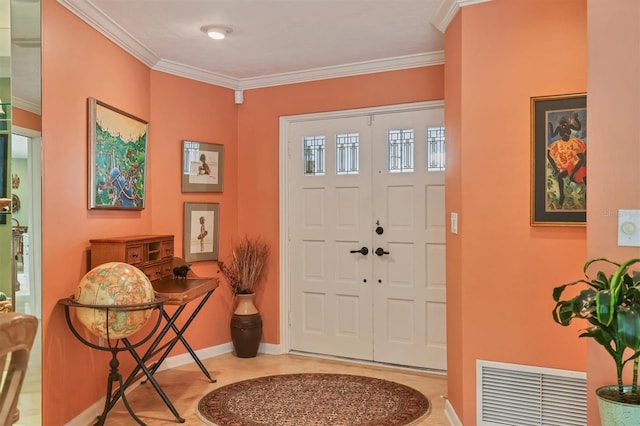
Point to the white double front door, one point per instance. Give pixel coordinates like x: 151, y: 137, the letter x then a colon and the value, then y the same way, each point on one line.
x: 366, y: 236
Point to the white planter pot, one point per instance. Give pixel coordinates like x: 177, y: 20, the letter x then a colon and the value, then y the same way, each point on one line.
x: 614, y: 413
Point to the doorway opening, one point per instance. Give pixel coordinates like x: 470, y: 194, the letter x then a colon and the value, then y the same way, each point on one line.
x: 26, y: 190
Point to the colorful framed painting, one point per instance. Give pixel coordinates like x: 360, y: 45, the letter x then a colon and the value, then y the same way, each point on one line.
x: 559, y: 160
x: 201, y: 223
x: 117, y: 158
x: 202, y: 167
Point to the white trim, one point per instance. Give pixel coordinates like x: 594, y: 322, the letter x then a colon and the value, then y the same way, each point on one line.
x: 451, y: 415
x: 93, y: 16
x: 285, y: 301
x: 23, y: 131
x: 447, y: 11
x: 26, y: 105
x: 357, y: 68
x: 180, y: 70
x: 285, y: 122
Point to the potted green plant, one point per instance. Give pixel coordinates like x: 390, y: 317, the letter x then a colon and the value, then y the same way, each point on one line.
x: 244, y: 272
x: 609, y: 301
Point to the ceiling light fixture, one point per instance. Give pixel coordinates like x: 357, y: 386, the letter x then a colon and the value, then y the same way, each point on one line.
x: 216, y: 32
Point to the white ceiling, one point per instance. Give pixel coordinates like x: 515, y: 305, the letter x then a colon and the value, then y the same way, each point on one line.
x: 273, y: 41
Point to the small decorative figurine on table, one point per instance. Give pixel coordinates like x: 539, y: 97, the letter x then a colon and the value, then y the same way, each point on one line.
x: 181, y: 271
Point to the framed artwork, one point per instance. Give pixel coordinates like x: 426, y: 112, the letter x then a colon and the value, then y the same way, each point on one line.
x: 4, y: 172
x: 117, y: 158
x: 201, y: 222
x: 202, y: 167
x: 559, y: 160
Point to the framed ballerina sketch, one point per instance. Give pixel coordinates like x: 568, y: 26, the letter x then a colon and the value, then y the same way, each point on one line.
x: 559, y: 160
x: 202, y: 167
x: 117, y: 158
x: 201, y: 223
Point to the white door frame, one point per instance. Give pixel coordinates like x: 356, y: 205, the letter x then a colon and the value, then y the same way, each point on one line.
x: 284, y: 172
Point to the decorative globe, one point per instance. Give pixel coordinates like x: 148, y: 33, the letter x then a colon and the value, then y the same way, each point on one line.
x: 114, y: 283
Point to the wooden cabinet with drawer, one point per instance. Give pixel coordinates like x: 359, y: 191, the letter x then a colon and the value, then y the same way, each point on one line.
x: 152, y: 254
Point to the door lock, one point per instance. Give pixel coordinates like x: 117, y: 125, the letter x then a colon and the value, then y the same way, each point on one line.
x: 380, y: 251
x: 363, y: 251
x: 379, y: 230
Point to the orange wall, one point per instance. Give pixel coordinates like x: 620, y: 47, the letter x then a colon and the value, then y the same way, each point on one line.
x: 181, y: 110
x: 25, y: 119
x: 177, y: 109
x: 506, y: 269
x: 258, y: 135
x: 79, y: 63
x: 454, y: 203
x: 614, y: 108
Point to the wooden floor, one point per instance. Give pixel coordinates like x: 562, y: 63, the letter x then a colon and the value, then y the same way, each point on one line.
x: 186, y: 385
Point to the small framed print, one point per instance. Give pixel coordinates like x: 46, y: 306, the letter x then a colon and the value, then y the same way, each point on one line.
x: 201, y: 223
x: 202, y: 167
x: 559, y: 160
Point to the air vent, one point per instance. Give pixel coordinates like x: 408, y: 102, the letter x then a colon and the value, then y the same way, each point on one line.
x: 523, y: 395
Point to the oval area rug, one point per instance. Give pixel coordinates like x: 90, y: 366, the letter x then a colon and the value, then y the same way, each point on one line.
x: 313, y: 399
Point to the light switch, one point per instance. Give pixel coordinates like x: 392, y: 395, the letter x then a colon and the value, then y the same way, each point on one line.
x: 629, y: 228
x: 454, y: 223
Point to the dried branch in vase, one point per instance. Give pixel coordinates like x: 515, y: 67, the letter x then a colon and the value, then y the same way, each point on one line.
x: 246, y: 269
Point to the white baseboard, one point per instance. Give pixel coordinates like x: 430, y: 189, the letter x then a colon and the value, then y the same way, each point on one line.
x: 450, y: 414
x: 270, y: 349
x: 88, y: 416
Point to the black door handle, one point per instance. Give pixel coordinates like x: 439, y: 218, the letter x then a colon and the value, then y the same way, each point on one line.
x: 363, y: 251
x: 380, y: 251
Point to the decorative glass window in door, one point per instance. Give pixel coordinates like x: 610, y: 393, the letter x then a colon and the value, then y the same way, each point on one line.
x: 435, y: 149
x: 400, y: 144
x: 314, y: 151
x: 347, y: 151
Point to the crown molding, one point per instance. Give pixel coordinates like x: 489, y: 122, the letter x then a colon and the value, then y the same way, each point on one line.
x: 26, y: 105
x: 358, y: 68
x: 447, y: 11
x: 193, y: 73
x: 93, y: 16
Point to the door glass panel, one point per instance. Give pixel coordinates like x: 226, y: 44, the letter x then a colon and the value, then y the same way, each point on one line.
x: 435, y: 149
x: 347, y: 153
x: 314, y: 151
x: 400, y: 143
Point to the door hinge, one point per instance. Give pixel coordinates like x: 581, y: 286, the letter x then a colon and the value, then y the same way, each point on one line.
x: 288, y: 148
x: 289, y: 318
x: 369, y: 120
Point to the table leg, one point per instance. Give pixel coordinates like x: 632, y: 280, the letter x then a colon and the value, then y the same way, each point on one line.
x: 179, y: 336
x: 153, y: 382
x: 115, y: 376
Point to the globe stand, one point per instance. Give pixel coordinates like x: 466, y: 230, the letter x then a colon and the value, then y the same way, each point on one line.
x: 115, y: 348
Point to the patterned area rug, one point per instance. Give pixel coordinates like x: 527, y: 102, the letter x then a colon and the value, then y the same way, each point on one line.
x: 313, y: 399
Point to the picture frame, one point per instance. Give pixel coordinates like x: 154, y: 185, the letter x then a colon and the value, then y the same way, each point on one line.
x: 117, y: 158
x: 559, y: 160
x: 4, y: 169
x: 200, y: 237
x: 202, y: 166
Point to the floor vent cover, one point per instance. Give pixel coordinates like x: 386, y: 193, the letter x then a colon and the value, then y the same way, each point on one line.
x: 512, y: 394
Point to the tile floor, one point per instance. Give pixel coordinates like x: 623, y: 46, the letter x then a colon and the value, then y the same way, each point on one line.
x: 186, y: 385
